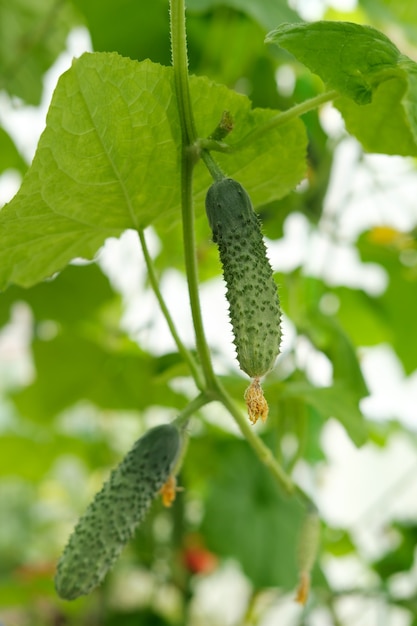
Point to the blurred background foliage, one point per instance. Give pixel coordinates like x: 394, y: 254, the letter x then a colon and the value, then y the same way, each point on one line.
x: 79, y: 381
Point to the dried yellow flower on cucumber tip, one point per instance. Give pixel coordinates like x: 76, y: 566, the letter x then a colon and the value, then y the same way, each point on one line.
x: 256, y: 403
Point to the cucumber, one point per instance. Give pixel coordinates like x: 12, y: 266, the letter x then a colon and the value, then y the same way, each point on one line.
x: 252, y: 294
x: 113, y: 516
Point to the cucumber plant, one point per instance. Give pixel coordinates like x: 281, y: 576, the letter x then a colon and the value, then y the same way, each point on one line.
x: 108, y: 101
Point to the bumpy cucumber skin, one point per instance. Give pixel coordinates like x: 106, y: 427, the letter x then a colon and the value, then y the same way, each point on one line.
x: 254, y: 308
x: 116, y: 511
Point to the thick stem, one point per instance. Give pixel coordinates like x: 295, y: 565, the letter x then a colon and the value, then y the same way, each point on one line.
x: 190, y: 151
x: 188, y: 158
x: 180, y: 65
x: 192, y: 273
x: 198, y: 402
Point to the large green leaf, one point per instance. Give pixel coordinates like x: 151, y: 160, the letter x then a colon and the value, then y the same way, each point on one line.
x: 388, y: 124
x: 246, y: 517
x: 32, y: 34
x: 348, y: 57
x: 379, y: 84
x: 109, y: 160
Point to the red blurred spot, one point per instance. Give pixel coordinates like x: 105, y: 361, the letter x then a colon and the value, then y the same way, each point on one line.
x: 197, y: 559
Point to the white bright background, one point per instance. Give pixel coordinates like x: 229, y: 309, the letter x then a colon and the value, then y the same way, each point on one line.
x: 361, y: 490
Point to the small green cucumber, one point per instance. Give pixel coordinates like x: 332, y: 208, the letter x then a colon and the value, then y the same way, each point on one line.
x: 251, y: 291
x: 113, y: 516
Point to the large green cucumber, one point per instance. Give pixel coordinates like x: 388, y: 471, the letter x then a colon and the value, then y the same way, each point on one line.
x: 116, y: 511
x: 251, y: 291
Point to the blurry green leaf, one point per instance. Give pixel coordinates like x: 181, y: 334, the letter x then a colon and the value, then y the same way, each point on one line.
x: 301, y: 299
x: 393, y: 14
x: 328, y: 336
x: 411, y: 605
x: 30, y: 458
x: 17, y: 501
x: 406, y: 10
x: 397, y: 305
x: 362, y: 317
x: 266, y: 12
x: 313, y: 447
x: 337, y: 402
x: 337, y: 542
x: 10, y: 158
x: 20, y: 590
x: 138, y: 30
x: 70, y: 368
x: 109, y: 160
x: 382, y: 433
x: 32, y: 34
x: 69, y: 298
x: 237, y: 63
x: 401, y: 558
x: 145, y: 617
x: 388, y: 124
x: 368, y: 69
x: 246, y: 518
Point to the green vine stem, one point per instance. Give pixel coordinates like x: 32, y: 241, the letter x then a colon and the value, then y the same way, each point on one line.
x: 180, y: 65
x: 262, y: 451
x: 191, y: 150
x: 278, y: 120
x: 192, y: 273
x: 199, y: 401
x: 184, y: 352
x: 189, y: 157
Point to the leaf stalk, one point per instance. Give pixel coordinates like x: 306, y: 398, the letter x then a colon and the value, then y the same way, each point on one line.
x: 274, y: 122
x: 182, y: 349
